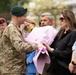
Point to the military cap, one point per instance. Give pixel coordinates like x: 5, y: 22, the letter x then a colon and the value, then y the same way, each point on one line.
x: 18, y: 11
x: 2, y: 20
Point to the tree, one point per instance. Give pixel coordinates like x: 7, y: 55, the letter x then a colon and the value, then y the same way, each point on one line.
x: 52, y: 6
x: 5, y: 5
x: 48, y: 6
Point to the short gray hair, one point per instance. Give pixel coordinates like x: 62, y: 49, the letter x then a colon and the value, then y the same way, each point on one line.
x: 50, y: 16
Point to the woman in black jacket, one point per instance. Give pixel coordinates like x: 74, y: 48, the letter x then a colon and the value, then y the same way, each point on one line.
x: 61, y: 49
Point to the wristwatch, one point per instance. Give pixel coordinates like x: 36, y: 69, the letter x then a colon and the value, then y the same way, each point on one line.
x: 73, y: 63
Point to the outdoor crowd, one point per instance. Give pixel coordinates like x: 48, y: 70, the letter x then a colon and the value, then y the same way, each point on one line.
x: 30, y: 49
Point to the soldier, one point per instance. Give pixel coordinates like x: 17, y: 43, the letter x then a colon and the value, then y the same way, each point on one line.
x: 3, y: 25
x: 14, y: 49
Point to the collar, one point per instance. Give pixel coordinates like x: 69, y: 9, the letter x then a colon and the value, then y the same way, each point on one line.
x: 68, y: 31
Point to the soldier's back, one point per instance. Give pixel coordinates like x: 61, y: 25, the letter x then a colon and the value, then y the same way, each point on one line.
x: 12, y: 59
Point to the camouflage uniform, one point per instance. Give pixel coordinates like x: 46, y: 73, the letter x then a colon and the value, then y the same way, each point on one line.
x: 0, y: 39
x: 0, y: 46
x: 14, y: 51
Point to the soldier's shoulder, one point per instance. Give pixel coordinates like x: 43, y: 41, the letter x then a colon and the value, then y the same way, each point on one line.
x: 11, y: 26
x: 9, y: 29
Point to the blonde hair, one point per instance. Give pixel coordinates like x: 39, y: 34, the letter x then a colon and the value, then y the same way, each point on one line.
x: 31, y: 21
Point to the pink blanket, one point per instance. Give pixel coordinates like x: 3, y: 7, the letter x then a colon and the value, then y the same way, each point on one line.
x: 40, y: 59
x: 41, y: 34
x: 38, y: 35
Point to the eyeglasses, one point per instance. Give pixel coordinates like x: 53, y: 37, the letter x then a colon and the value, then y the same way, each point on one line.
x: 61, y: 19
x: 2, y: 21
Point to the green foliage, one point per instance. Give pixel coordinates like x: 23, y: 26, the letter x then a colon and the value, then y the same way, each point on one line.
x: 5, y: 5
x: 51, y: 6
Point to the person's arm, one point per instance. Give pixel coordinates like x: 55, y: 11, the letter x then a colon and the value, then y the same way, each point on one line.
x: 48, y: 47
x: 63, y: 54
x: 18, y: 43
x: 74, y: 53
x: 72, y: 64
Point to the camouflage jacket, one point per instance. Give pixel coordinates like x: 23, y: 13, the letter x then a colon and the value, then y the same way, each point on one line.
x: 14, y: 50
x: 0, y: 39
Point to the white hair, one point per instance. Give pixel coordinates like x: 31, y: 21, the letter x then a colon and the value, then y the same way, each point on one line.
x: 50, y: 16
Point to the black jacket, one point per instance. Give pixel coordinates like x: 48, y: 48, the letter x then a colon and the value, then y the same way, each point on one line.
x: 63, y: 48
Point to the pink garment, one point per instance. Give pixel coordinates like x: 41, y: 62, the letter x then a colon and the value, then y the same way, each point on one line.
x: 42, y: 34
x: 40, y: 59
x: 38, y: 35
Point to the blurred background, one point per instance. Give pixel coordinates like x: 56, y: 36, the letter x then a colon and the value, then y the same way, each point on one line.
x: 37, y: 7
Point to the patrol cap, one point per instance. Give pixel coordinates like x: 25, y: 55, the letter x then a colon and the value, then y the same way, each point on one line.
x: 18, y: 11
x: 2, y: 20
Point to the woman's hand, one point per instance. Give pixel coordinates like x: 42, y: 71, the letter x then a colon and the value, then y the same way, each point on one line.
x: 71, y: 67
x: 48, y: 47
x: 74, y: 71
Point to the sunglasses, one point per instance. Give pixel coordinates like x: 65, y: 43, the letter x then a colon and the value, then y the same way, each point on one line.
x: 2, y: 21
x: 61, y: 19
